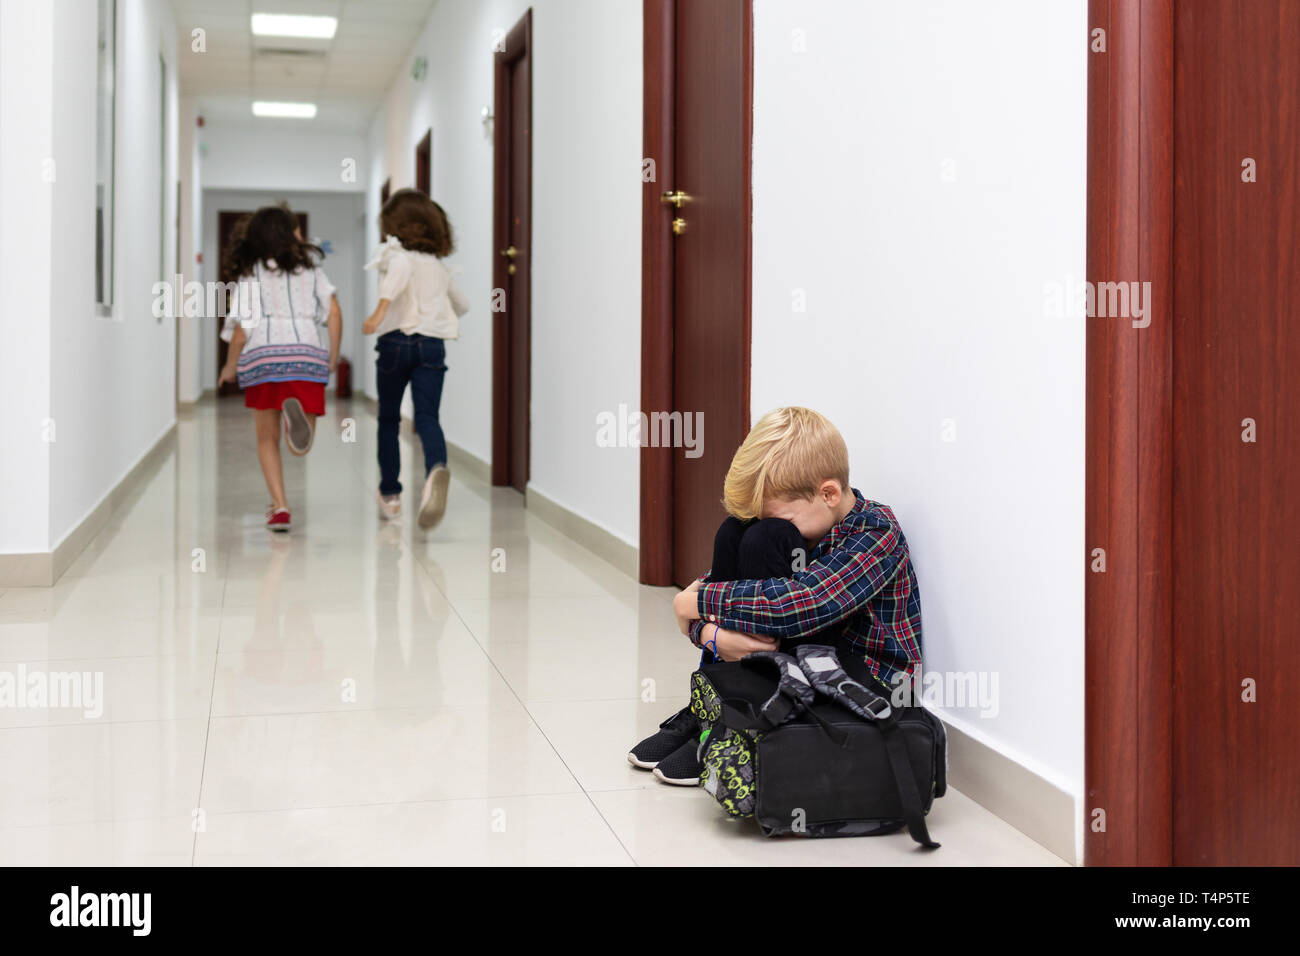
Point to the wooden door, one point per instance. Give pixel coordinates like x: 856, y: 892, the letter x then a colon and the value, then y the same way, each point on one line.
x: 511, y: 348
x: 696, y: 291
x: 226, y: 222
x: 1236, y: 443
x: 424, y: 164
x: 1193, y: 490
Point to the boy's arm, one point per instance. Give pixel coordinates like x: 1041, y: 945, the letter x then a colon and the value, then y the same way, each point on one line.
x: 828, y: 590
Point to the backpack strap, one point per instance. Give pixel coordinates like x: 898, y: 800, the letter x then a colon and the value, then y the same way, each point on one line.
x: 793, y: 693
x: 905, y: 782
x: 826, y: 674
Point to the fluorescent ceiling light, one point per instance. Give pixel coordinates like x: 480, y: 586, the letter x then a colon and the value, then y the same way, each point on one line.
x: 293, y: 25
x: 290, y: 110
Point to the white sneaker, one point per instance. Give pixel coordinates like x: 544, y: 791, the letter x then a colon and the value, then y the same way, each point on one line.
x: 433, y: 503
x: 390, y: 506
x: 299, y: 428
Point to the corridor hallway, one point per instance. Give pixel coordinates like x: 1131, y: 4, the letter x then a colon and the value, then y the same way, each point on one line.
x: 357, y: 692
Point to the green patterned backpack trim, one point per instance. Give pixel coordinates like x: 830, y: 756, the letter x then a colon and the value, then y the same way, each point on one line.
x: 705, y: 702
x: 727, y: 772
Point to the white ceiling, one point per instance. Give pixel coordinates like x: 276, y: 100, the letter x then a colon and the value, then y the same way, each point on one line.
x: 345, y: 77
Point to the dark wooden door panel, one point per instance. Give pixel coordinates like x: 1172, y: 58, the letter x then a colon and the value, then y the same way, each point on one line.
x: 711, y: 271
x: 1236, y: 504
x: 518, y: 299
x: 511, y: 254
x: 424, y: 164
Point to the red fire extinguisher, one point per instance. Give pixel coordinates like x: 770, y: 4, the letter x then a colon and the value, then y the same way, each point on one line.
x: 343, y: 384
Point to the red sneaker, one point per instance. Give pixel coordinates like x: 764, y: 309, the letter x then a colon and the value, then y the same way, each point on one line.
x: 277, y: 519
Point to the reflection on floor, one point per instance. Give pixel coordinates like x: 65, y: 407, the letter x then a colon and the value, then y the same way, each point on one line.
x: 358, y: 692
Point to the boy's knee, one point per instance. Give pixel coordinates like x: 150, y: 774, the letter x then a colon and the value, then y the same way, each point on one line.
x: 767, y: 548
x: 729, y: 534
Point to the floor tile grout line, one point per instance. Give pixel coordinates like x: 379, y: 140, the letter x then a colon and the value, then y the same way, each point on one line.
x: 531, y: 716
x: 422, y: 568
x: 207, y: 733
x: 321, y: 806
x: 351, y: 709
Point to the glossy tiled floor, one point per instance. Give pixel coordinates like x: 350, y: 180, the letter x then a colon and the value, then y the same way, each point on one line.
x: 359, y: 692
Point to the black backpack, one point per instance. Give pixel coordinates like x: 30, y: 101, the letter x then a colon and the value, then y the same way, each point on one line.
x: 805, y: 748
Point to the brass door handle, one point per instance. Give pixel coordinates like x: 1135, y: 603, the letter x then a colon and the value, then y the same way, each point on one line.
x: 676, y: 197
x: 510, y: 252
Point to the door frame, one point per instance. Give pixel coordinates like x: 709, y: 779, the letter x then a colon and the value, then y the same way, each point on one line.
x: 424, y: 163
x: 658, y: 107
x: 518, y: 41
x: 1128, y: 632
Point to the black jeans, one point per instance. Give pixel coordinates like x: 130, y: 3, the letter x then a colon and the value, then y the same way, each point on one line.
x: 757, y: 549
x: 421, y: 361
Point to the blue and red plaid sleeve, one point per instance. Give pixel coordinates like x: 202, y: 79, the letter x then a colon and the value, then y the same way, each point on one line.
x: 830, y: 589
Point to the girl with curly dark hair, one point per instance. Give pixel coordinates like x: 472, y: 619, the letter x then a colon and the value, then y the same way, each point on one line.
x: 419, y: 308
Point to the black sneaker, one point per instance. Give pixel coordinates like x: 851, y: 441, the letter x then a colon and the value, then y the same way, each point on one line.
x: 673, y: 732
x: 681, y: 767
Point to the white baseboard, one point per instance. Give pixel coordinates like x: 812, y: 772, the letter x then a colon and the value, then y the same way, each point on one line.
x: 1031, y: 803
x: 600, y: 541
x: 44, y: 568
x: 458, y: 459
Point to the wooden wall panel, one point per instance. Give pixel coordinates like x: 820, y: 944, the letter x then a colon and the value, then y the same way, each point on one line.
x: 1236, y: 528
x: 1127, y: 749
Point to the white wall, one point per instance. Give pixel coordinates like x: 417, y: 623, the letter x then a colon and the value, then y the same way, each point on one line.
x: 113, y: 380
x: 334, y: 216
x: 586, y: 243
x: 107, y: 384
x: 26, y: 201
x: 925, y: 302
x: 281, y: 154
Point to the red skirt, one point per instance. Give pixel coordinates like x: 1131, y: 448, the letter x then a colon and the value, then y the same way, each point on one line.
x: 273, y: 394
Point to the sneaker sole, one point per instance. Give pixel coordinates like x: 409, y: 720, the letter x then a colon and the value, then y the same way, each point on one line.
x: 641, y: 764
x: 689, y: 782
x: 298, y: 433
x: 431, y: 511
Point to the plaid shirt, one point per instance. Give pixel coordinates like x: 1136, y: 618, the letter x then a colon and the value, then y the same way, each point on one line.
x: 860, y: 574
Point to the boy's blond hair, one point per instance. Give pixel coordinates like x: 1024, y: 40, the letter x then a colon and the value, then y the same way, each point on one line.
x: 787, y: 454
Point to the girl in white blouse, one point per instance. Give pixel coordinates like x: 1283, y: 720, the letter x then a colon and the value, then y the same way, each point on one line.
x: 419, y: 307
x: 278, y: 353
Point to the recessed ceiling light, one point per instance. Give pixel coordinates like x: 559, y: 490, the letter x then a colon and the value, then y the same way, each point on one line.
x: 289, y: 110
x: 293, y: 25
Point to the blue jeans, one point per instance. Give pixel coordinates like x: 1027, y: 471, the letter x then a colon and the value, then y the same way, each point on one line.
x: 421, y: 361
